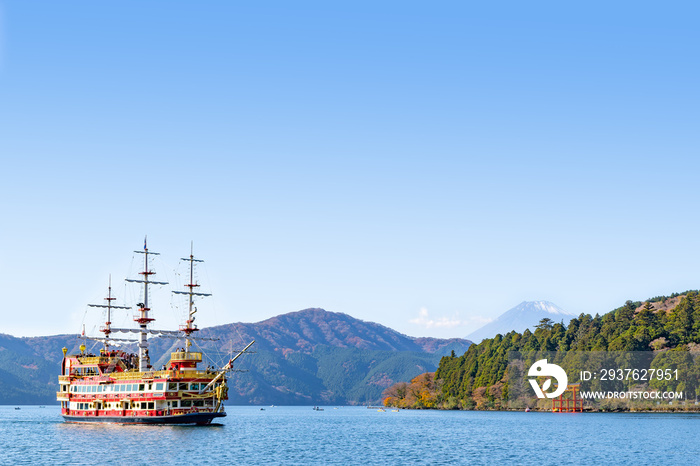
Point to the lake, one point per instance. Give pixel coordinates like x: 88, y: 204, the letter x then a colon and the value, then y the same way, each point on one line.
x: 356, y: 435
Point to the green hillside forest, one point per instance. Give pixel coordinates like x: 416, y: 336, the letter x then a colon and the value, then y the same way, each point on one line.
x: 301, y: 358
x: 664, y: 333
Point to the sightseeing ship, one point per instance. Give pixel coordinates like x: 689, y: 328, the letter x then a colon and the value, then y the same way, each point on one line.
x: 122, y: 387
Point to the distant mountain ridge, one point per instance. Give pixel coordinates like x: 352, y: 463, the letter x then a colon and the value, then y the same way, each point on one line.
x: 306, y: 329
x: 523, y: 316
x: 306, y: 357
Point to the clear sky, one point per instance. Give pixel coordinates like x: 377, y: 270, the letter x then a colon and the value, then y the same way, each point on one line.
x: 424, y: 165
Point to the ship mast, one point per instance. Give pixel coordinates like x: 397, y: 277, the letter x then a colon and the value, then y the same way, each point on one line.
x: 107, y: 329
x: 189, y: 328
x: 143, y: 319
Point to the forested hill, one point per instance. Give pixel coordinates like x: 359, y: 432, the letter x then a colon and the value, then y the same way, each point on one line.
x: 477, y: 378
x: 306, y: 357
x: 304, y: 330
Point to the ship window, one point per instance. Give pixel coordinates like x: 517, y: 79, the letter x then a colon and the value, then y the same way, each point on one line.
x: 172, y: 387
x: 159, y: 387
x: 175, y: 404
x: 185, y: 403
x: 151, y: 405
x: 199, y: 403
x: 128, y: 388
x: 141, y: 387
x: 183, y: 386
x: 93, y: 389
x: 194, y: 386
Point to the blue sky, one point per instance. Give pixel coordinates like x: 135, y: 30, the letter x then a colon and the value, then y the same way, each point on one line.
x: 424, y: 166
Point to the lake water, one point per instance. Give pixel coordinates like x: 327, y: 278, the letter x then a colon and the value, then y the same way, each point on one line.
x: 355, y: 435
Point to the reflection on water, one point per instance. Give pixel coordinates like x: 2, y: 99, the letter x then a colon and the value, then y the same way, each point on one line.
x: 353, y: 435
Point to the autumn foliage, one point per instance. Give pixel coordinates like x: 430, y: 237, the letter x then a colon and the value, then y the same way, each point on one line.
x: 421, y: 393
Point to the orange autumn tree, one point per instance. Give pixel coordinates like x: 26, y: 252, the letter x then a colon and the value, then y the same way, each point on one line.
x: 421, y: 393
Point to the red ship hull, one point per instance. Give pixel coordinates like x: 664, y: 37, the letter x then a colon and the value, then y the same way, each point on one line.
x: 192, y: 418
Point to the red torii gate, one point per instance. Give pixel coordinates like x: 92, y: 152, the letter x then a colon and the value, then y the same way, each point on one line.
x: 572, y: 404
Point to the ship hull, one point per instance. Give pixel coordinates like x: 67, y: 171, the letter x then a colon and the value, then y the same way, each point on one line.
x: 192, y: 418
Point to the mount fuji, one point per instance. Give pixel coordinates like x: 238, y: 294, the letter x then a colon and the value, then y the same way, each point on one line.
x: 525, y: 315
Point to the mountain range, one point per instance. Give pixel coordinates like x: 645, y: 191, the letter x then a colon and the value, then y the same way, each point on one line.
x: 523, y: 316
x: 306, y: 357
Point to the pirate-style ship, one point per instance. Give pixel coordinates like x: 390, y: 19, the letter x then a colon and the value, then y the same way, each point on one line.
x: 120, y: 387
